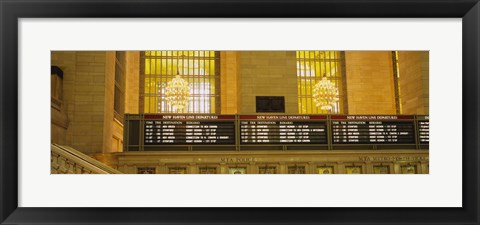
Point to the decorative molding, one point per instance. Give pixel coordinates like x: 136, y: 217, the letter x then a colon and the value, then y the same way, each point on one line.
x: 65, y: 160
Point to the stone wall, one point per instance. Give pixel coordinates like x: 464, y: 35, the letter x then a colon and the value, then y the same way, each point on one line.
x: 83, y: 96
x: 267, y: 73
x: 229, y: 67
x: 88, y: 99
x: 132, y: 85
x: 370, y: 84
x: 309, y: 162
x: 414, y: 81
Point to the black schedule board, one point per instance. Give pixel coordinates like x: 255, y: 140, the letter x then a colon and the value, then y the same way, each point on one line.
x: 423, y: 130
x: 283, y: 129
x: 372, y: 129
x: 189, y: 129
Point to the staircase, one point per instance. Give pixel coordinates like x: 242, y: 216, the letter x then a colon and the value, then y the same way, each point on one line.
x: 66, y: 160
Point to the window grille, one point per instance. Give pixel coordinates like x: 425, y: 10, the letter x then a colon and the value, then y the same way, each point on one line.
x: 201, y: 69
x: 311, y: 67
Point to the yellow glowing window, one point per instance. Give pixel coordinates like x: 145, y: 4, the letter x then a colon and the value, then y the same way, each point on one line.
x: 312, y: 66
x: 199, y: 68
x: 353, y: 170
x: 325, y: 170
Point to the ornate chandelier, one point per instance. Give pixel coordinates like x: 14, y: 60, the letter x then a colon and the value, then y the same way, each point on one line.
x: 177, y: 93
x: 325, y: 94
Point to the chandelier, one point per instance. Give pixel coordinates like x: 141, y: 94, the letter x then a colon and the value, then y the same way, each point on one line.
x: 177, y: 93
x: 325, y: 94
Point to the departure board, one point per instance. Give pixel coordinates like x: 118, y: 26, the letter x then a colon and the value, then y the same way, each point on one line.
x: 280, y: 129
x: 191, y: 132
x: 372, y: 129
x: 189, y: 129
x: 423, y: 130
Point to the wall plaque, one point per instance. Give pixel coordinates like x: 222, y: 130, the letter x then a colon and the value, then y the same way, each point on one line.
x: 270, y: 104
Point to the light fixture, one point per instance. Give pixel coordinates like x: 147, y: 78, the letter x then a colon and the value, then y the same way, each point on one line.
x: 177, y: 93
x: 325, y: 94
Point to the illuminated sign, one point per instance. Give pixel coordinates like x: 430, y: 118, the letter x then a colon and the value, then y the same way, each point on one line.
x: 158, y: 132
x: 423, y: 129
x: 189, y: 129
x: 373, y: 129
x: 260, y: 129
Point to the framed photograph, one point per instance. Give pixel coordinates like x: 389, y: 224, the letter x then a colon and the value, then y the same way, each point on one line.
x: 231, y: 112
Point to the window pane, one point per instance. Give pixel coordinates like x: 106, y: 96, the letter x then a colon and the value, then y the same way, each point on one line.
x: 195, y: 67
x: 147, y: 66
x: 311, y: 67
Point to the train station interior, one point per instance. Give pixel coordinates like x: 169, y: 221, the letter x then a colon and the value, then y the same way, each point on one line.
x: 105, y: 104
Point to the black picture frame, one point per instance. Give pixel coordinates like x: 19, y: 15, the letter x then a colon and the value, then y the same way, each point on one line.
x: 12, y: 10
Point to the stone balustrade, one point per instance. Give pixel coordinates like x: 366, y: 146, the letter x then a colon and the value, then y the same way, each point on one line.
x: 66, y: 160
